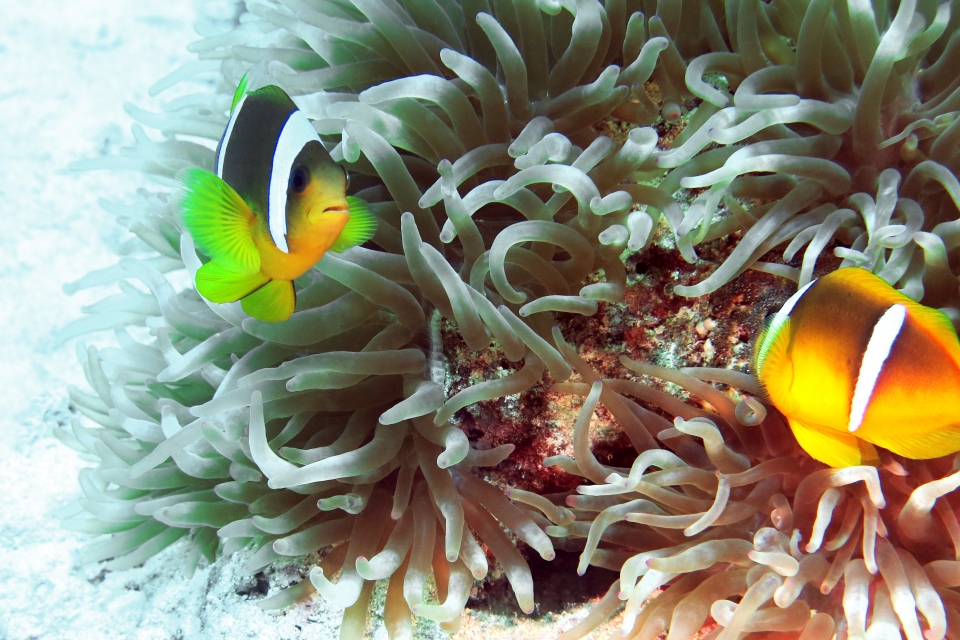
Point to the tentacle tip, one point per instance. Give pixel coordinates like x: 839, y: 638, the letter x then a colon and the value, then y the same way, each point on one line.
x: 452, y: 557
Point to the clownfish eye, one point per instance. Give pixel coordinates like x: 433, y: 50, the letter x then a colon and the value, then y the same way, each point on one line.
x: 298, y: 179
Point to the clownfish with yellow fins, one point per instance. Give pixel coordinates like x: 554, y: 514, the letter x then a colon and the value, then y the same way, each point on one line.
x: 853, y: 363
x: 276, y: 204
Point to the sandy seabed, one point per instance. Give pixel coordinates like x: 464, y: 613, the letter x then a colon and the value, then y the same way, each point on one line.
x: 67, y: 70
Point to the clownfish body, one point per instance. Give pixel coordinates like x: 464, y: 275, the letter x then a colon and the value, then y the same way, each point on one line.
x: 276, y: 204
x: 852, y: 363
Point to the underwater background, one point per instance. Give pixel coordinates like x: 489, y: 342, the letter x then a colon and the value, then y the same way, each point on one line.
x: 68, y: 68
x: 602, y: 189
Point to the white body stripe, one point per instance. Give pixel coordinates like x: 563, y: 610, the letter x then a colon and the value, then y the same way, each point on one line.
x: 884, y: 334
x: 227, y: 135
x: 296, y: 133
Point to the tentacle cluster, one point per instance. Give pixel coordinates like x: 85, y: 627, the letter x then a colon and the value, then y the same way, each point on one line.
x: 732, y: 509
x: 508, y: 149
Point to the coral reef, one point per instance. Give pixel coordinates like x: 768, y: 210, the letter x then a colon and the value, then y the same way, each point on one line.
x: 515, y: 152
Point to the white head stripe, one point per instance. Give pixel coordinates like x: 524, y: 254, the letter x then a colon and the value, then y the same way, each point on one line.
x: 227, y: 135
x: 878, y: 348
x: 792, y: 301
x: 776, y: 324
x: 296, y: 133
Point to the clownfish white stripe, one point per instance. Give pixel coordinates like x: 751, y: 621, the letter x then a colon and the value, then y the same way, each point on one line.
x: 296, y: 133
x: 792, y: 301
x: 776, y: 324
x: 885, y: 332
x: 227, y: 135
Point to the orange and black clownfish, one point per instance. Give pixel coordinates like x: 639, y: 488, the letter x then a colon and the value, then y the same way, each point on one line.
x: 275, y: 205
x: 852, y: 363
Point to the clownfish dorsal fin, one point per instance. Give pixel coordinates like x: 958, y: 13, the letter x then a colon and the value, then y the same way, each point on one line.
x: 240, y: 92
x: 939, y: 327
x: 831, y: 447
x: 219, y: 220
x: 273, y: 92
x: 360, y: 228
x: 253, y: 80
x: 933, y: 322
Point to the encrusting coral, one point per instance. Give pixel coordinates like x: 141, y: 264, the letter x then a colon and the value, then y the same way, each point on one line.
x: 507, y: 149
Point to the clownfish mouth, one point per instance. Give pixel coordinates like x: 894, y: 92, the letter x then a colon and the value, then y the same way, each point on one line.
x: 328, y: 214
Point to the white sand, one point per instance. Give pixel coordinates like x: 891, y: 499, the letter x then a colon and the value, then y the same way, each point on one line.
x: 67, y: 69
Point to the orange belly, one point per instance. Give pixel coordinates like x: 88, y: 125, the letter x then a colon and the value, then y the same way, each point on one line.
x: 306, y: 249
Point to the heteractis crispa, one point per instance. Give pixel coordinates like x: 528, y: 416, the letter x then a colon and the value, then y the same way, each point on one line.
x: 516, y: 154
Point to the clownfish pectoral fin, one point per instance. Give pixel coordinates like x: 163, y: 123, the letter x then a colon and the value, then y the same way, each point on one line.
x: 219, y: 284
x: 831, y: 447
x: 933, y: 444
x: 273, y: 302
x: 360, y: 228
x: 219, y: 220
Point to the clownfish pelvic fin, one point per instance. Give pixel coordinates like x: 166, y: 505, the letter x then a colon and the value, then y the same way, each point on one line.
x: 222, y: 226
x: 273, y: 302
x: 833, y: 448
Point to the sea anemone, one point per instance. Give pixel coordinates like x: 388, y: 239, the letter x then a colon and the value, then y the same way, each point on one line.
x: 513, y: 151
x: 750, y: 533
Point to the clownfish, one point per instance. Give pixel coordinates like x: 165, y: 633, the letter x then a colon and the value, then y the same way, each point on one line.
x: 853, y: 363
x: 276, y: 204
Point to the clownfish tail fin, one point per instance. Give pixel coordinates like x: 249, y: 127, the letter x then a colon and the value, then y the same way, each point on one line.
x: 360, y: 228
x: 273, y: 302
x: 219, y: 220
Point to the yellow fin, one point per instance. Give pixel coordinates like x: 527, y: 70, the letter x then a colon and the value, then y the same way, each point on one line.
x: 830, y: 447
x: 868, y: 453
x: 922, y: 446
x: 360, y: 227
x: 273, y: 302
x: 216, y: 283
x: 219, y: 220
